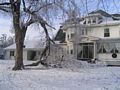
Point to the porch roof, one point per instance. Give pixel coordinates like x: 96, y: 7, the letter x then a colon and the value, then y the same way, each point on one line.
x: 89, y: 38
x: 109, y: 40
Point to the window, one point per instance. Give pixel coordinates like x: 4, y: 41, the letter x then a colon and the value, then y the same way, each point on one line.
x: 67, y: 49
x: 71, y: 51
x: 11, y: 53
x: 100, y: 18
x: 102, y: 50
x: 84, y: 22
x: 114, y: 50
x: 106, y: 32
x: 108, y: 47
x: 89, y: 21
x: 68, y: 36
x: 94, y: 20
x: 72, y: 35
x: 84, y: 32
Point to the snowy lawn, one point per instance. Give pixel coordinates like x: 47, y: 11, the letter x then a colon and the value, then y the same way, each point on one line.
x: 101, y: 78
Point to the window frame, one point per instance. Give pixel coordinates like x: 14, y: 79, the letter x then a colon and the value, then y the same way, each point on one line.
x: 84, y: 32
x: 12, y: 53
x: 72, y: 35
x: 71, y: 51
x: 106, y: 32
x: 68, y: 36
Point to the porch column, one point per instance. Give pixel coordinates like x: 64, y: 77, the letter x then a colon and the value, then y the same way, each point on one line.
x: 94, y: 56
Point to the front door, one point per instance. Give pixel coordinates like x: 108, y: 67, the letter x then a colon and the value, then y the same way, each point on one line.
x: 86, y: 51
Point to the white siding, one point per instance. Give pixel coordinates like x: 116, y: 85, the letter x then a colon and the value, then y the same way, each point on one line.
x: 7, y: 55
x: 24, y: 55
x: 108, y: 56
x: 99, y: 31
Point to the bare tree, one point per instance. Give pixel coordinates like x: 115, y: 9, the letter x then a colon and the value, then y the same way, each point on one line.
x: 27, y: 12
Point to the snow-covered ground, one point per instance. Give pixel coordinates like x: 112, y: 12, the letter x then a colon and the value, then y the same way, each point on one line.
x: 39, y: 78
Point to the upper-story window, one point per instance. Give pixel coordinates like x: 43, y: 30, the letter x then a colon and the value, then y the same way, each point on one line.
x: 84, y: 22
x: 106, y: 32
x: 84, y: 32
x: 72, y: 35
x: 89, y: 21
x: 94, y: 20
x: 71, y: 51
x: 100, y: 19
x: 68, y: 36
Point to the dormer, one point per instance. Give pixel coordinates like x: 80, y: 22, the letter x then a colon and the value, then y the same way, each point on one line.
x: 96, y: 17
x: 93, y: 19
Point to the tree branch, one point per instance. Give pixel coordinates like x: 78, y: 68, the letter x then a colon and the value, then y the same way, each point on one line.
x: 5, y: 3
x: 5, y: 9
x: 24, y: 6
x: 29, y: 22
x: 38, y: 18
x: 46, y: 5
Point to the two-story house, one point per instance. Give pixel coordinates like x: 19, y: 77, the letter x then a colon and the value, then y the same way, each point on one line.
x: 94, y: 36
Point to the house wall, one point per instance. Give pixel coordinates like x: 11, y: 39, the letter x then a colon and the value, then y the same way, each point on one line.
x: 108, y: 57
x: 71, y: 39
x: 64, y: 46
x: 96, y: 31
x: 93, y: 30
x: 99, y: 31
x: 25, y: 55
x: 8, y: 57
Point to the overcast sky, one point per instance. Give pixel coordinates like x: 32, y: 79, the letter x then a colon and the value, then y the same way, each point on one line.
x: 112, y: 6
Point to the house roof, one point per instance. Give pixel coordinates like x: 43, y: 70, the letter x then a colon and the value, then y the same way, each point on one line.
x: 29, y: 45
x: 106, y: 23
x: 116, y: 15
x: 103, y: 13
x: 111, y: 22
x: 60, y: 36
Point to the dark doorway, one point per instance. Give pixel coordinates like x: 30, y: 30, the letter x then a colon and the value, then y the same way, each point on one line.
x: 31, y: 55
x: 86, y: 52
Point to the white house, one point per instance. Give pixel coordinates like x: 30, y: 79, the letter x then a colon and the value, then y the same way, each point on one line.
x: 31, y: 51
x: 94, y: 36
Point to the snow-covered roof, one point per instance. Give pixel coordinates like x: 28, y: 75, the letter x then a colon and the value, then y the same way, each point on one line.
x: 108, y: 23
x: 29, y: 45
x: 111, y: 22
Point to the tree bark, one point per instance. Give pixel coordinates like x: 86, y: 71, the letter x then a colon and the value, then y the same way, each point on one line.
x: 19, y: 51
x: 18, y: 35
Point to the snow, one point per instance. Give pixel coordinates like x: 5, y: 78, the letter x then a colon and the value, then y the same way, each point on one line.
x: 110, y: 22
x: 34, y: 44
x: 40, y: 78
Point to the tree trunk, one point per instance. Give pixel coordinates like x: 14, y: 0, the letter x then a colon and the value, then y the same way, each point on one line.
x: 18, y: 35
x: 19, y: 51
